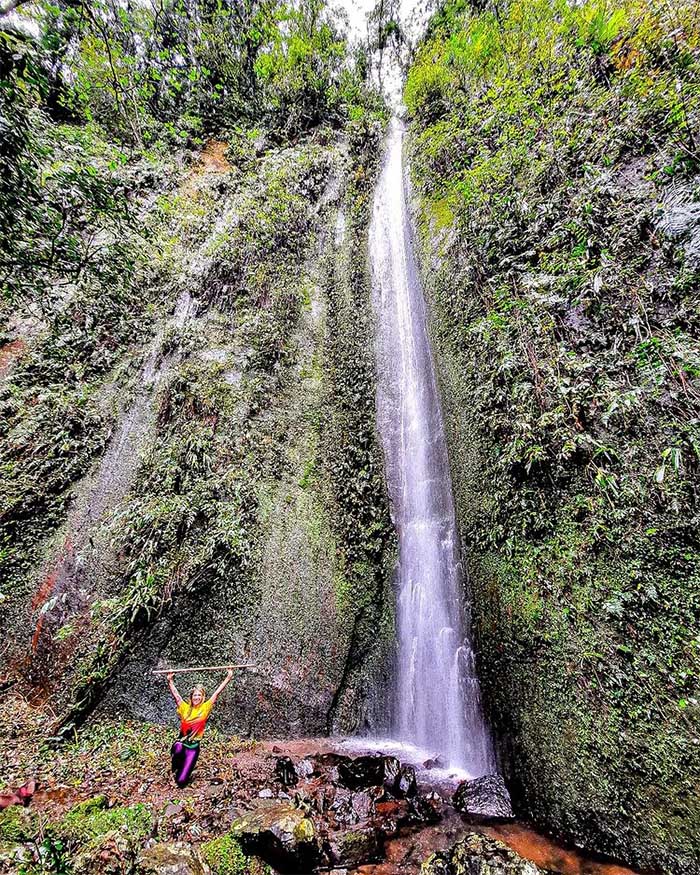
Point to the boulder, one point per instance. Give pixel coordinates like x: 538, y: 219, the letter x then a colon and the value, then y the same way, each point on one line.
x: 391, y: 815
x: 405, y: 785
x: 483, y: 797
x: 173, y: 858
x: 285, y: 772
x: 424, y: 809
x: 279, y: 833
x: 112, y: 854
x: 378, y: 771
x: 366, y: 771
x: 477, y: 854
x: 349, y: 808
x: 354, y: 847
x: 305, y: 768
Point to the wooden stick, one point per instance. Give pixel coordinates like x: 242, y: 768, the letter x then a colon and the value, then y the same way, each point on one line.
x: 200, y: 668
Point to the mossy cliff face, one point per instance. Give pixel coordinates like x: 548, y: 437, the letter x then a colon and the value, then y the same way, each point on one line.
x: 228, y: 504
x: 555, y: 169
x: 297, y: 582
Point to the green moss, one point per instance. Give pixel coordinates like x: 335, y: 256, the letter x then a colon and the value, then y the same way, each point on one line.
x: 91, y: 819
x: 17, y: 824
x: 225, y: 857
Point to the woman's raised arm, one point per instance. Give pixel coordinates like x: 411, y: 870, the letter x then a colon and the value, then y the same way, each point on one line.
x: 222, y: 685
x: 173, y: 689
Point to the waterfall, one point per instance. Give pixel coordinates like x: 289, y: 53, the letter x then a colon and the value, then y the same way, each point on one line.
x: 438, y: 704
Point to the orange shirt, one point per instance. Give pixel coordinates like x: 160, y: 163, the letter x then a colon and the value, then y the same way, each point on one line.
x: 193, y: 718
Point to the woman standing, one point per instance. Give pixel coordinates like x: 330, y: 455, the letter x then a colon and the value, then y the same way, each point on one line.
x: 193, y: 720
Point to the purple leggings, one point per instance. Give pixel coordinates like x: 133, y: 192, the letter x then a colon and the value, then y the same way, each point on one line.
x: 183, y: 758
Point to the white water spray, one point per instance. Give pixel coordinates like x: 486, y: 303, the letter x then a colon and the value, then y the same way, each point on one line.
x: 438, y: 703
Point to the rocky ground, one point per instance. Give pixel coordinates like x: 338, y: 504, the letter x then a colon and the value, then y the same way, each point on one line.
x: 105, y: 803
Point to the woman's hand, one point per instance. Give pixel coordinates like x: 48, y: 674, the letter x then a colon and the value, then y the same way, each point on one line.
x: 173, y: 688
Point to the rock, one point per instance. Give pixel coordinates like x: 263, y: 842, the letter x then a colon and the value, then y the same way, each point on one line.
x: 354, y: 847
x: 279, y: 833
x: 435, y: 763
x: 305, y: 769
x: 111, y: 855
x: 390, y: 815
x: 425, y: 809
x: 366, y: 771
x: 285, y: 772
x: 378, y: 771
x: 174, y: 858
x: 405, y: 784
x: 214, y: 791
x: 476, y: 854
x: 351, y: 808
x: 483, y: 797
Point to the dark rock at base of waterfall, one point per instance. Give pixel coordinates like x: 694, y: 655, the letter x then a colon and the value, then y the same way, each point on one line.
x: 175, y: 858
x: 483, y: 797
x: 477, y: 854
x: 285, y: 772
x: 425, y: 809
x: 366, y: 771
x: 354, y: 847
x: 279, y: 833
x: 378, y: 771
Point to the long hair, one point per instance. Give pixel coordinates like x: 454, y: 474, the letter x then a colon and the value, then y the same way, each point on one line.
x: 201, y: 689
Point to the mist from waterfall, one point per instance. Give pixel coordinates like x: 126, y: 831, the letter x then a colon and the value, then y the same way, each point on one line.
x: 437, y: 704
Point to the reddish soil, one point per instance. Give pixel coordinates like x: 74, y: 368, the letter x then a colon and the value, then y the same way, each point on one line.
x: 9, y: 353
x: 213, y: 158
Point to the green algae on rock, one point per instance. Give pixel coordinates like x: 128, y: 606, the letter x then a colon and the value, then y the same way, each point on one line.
x: 479, y: 855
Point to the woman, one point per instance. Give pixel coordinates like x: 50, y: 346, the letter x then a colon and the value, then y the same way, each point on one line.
x: 193, y: 719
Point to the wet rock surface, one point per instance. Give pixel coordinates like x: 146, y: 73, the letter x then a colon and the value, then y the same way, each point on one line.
x: 291, y: 807
x: 279, y: 833
x: 176, y: 858
x: 479, y: 855
x: 483, y: 797
x: 374, y: 771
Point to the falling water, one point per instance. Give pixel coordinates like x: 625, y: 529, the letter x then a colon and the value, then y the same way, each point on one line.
x: 438, y: 705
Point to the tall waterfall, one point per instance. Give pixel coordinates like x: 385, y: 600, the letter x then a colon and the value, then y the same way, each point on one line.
x: 438, y: 704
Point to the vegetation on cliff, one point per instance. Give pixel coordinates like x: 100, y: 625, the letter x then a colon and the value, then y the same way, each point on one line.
x: 555, y: 160
x: 179, y: 416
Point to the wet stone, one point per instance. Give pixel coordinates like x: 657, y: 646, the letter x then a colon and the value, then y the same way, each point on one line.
x: 479, y: 855
x: 176, y: 858
x: 354, y: 847
x: 305, y: 769
x: 483, y: 797
x: 279, y: 833
x: 285, y: 772
x: 378, y: 771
